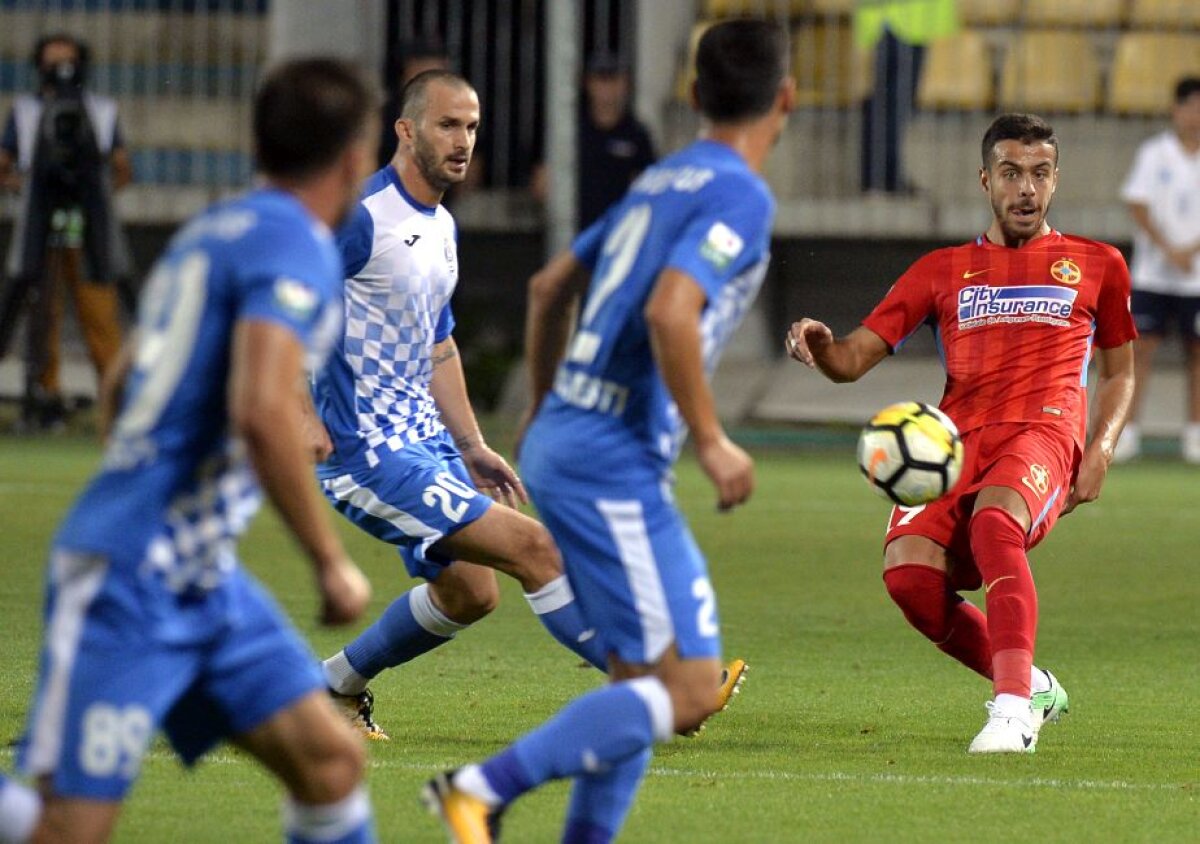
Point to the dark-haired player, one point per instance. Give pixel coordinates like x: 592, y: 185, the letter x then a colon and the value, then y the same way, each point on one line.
x: 409, y: 464
x: 1017, y: 313
x: 150, y: 621
x: 663, y: 279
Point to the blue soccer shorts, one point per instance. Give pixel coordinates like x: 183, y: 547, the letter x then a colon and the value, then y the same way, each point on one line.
x: 107, y: 684
x: 1155, y: 313
x: 411, y: 499
x: 636, y: 571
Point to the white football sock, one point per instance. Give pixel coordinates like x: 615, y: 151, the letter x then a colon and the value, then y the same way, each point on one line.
x: 341, y: 676
x: 20, y: 807
x: 1013, y: 706
x: 470, y: 779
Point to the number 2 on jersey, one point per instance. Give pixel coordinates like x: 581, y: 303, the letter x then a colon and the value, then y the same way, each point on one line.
x: 620, y: 251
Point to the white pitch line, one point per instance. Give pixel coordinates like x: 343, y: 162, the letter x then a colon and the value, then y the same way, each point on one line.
x: 228, y: 758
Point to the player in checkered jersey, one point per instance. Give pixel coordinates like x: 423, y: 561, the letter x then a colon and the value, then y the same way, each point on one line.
x: 405, y: 459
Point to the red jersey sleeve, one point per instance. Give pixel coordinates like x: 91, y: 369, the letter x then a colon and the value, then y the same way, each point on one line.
x: 1114, y: 322
x: 907, y: 305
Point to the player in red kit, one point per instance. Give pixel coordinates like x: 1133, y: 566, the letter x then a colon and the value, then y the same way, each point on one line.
x: 1017, y: 313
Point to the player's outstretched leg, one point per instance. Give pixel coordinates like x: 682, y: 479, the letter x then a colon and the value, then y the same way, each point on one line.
x: 929, y: 603
x: 598, y: 731
x: 513, y: 543
x: 20, y: 808
x: 601, y: 801
x: 412, y: 625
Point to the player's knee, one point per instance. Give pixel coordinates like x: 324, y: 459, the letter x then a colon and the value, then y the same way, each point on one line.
x: 331, y: 771
x: 921, y: 594
x: 539, y: 556
x: 470, y: 601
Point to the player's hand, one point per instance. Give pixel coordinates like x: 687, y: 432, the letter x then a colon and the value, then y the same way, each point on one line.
x: 730, y: 469
x: 493, y: 476
x: 345, y: 592
x: 1092, y: 471
x: 806, y: 337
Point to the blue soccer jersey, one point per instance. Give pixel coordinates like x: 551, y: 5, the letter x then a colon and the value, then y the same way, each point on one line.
x: 400, y: 261
x: 175, y: 489
x: 701, y: 211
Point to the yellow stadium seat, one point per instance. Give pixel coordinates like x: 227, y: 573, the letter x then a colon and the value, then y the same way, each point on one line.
x: 1049, y: 70
x: 733, y: 8
x: 829, y: 69
x: 1172, y: 13
x: 957, y: 73
x: 1146, y: 67
x: 833, y: 7
x: 1094, y: 13
x: 988, y: 12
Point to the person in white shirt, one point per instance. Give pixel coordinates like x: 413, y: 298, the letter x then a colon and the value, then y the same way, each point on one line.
x: 1163, y: 194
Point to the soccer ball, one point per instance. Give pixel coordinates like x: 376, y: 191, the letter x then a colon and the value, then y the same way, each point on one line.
x: 910, y: 453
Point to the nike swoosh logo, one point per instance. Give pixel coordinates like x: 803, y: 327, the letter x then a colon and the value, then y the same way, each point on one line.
x: 988, y: 587
x: 969, y: 274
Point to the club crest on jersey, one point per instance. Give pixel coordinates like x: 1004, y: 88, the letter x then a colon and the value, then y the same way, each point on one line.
x: 1066, y: 271
x: 983, y: 305
x: 450, y: 255
x: 721, y: 245
x: 296, y: 298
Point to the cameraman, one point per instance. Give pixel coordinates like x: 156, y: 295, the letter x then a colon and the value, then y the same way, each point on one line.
x: 61, y: 64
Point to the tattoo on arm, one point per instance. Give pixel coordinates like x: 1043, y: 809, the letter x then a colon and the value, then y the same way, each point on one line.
x: 448, y: 354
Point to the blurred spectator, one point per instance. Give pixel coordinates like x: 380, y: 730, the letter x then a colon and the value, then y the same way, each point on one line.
x: 66, y: 168
x: 1163, y: 194
x: 897, y: 31
x: 614, y: 146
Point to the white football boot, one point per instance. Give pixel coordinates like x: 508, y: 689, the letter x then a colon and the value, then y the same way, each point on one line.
x: 1005, y: 732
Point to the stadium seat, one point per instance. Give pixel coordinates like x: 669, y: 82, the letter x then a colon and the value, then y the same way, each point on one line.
x: 1087, y: 13
x: 829, y: 69
x: 1146, y: 67
x: 833, y: 7
x: 957, y: 74
x: 988, y: 12
x: 1050, y: 70
x: 1166, y: 13
x: 733, y: 8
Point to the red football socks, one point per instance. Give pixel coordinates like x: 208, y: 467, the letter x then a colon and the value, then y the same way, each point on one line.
x: 956, y: 626
x: 998, y: 545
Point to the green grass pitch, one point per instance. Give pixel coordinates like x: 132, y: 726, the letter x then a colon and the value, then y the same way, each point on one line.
x: 850, y: 727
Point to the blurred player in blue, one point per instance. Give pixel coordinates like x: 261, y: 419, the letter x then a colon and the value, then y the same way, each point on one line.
x: 406, y: 460
x: 150, y: 621
x: 665, y: 276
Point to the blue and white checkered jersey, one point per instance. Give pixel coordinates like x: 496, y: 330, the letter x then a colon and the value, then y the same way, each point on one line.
x: 701, y: 211
x: 175, y: 489
x: 400, y: 260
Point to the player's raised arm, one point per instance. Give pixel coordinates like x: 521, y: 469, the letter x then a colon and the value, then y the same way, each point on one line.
x: 842, y: 359
x: 553, y: 293
x: 268, y: 361
x: 673, y: 319
x: 1114, y: 398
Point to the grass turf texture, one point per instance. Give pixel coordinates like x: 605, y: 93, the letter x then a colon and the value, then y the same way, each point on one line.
x: 850, y: 728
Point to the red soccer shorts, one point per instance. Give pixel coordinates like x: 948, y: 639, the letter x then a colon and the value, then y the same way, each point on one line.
x: 1038, y: 461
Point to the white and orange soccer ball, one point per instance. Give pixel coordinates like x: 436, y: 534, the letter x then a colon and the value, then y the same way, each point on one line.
x: 910, y: 453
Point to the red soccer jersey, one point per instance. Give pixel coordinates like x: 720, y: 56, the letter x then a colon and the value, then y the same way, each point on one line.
x: 1015, y: 327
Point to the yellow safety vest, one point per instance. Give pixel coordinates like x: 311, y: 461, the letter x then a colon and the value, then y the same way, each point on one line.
x: 912, y: 21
